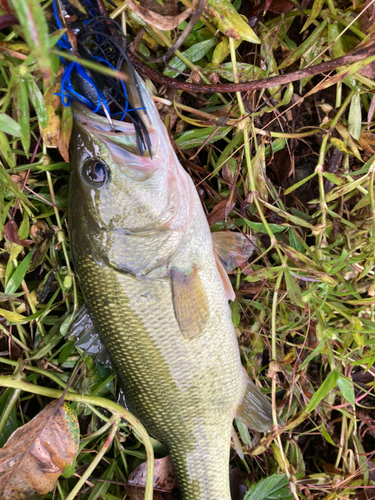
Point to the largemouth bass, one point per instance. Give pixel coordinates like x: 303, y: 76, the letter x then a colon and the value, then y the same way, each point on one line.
x: 149, y: 272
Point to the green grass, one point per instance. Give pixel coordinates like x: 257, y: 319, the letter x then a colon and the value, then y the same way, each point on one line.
x: 296, y: 166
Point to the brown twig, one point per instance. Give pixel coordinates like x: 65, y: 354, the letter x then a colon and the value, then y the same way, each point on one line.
x: 264, y: 83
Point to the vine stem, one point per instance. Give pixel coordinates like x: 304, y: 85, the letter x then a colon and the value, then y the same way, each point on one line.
x: 372, y: 198
x: 107, y: 444
x: 372, y: 205
x: 290, y: 477
x: 117, y: 411
x: 8, y: 410
x: 320, y: 171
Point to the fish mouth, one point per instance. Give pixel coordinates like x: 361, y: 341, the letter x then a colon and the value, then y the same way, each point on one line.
x: 85, y: 117
x: 122, y: 134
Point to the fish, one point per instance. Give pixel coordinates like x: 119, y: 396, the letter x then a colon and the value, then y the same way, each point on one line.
x: 154, y: 280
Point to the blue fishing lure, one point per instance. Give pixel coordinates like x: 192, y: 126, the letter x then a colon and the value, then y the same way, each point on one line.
x: 99, y: 39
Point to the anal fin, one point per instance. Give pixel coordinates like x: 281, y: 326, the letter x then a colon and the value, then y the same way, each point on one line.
x: 189, y: 301
x: 255, y: 409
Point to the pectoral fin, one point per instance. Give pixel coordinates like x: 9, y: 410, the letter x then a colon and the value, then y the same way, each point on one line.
x: 255, y: 409
x: 189, y: 301
x: 233, y: 249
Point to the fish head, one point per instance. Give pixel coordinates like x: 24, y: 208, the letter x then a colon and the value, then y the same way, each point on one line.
x: 131, y: 210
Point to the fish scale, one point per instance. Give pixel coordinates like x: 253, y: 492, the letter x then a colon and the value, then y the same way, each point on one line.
x: 146, y: 263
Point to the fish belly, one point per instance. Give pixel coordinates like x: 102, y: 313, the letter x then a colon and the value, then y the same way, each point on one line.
x: 185, y: 391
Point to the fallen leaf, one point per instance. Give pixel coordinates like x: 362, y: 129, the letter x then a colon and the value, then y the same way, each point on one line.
x: 367, y: 18
x: 219, y: 212
x: 11, y: 234
x: 276, y: 6
x: 281, y: 166
x: 37, y: 453
x: 169, y: 7
x: 51, y: 132
x: 368, y: 71
x: 164, y: 23
x: 229, y: 22
x: 165, y: 481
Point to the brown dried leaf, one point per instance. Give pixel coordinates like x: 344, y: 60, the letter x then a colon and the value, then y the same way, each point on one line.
x: 164, y: 23
x: 259, y: 169
x: 51, y: 132
x: 170, y: 7
x: 367, y: 26
x: 367, y: 18
x: 11, y: 234
x: 366, y: 140
x: 276, y: 6
x: 281, y: 166
x: 219, y: 212
x: 37, y: 453
x: 165, y: 481
x: 15, y: 352
x: 368, y: 71
x: 227, y: 174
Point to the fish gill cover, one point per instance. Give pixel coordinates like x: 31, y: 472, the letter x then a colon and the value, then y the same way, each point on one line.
x: 100, y: 39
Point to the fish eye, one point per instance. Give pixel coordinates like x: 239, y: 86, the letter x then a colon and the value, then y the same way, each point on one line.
x: 95, y: 173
